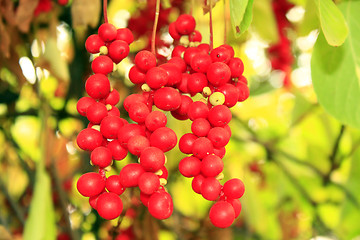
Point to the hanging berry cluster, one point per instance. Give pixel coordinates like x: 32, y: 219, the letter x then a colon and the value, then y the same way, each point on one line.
x: 193, y: 68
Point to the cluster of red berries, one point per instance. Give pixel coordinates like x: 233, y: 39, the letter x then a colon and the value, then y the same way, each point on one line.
x: 193, y: 68
x: 45, y: 6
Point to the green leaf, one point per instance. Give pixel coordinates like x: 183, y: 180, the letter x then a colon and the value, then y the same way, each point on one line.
x: 40, y: 224
x: 336, y: 71
x: 310, y: 21
x: 241, y: 15
x: 332, y: 22
x: 263, y: 13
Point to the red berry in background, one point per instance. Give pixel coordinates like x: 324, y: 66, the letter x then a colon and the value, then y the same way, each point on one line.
x: 196, y: 83
x: 97, y: 86
x: 220, y: 54
x: 156, y: 77
x: 219, y: 137
x: 231, y: 50
x: 89, y: 139
x: 178, y: 51
x: 210, y: 188
x: 163, y: 138
x: 195, y: 36
x: 220, y: 152
x: 236, y: 67
x: 231, y: 94
x: 118, y: 152
x: 118, y: 50
x: 93, y: 200
x: 174, y: 73
x: 242, y: 79
x: 136, y: 76
x: 185, y: 24
x: 133, y: 98
x: 114, y: 112
x: 102, y: 64
x: 179, y: 63
x: 211, y: 166
x: 93, y: 43
x: 138, y: 112
x: 90, y: 184
x: 222, y: 214
x: 200, y: 63
x: 109, y: 205
x: 184, y: 106
x: 218, y: 74
x: 155, y: 120
x: 63, y: 2
x: 173, y: 32
x: 107, y: 32
x: 190, y: 53
x: 96, y: 112
x: 197, y: 182
x: 137, y: 144
x: 145, y: 60
x: 127, y: 131
x: 167, y: 99
x: 198, y: 109
x: 200, y: 127
x: 219, y: 116
x: 130, y: 174
x: 204, y: 48
x: 236, y: 205
x: 101, y: 156
x: 234, y: 188
x: 149, y: 183
x: 186, y: 143
x: 183, y: 84
x: 113, y: 98
x: 152, y: 159
x: 190, y: 166
x: 202, y: 147
x: 243, y: 90
x: 109, y: 127
x: 160, y: 205
x: 83, y: 104
x: 124, y: 34
x: 113, y: 185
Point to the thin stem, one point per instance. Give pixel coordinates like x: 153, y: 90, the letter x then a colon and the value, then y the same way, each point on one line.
x: 105, y: 11
x: 153, y: 38
x: 211, y: 27
x: 225, y: 21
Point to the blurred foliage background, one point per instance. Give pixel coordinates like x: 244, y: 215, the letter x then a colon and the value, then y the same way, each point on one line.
x: 300, y: 164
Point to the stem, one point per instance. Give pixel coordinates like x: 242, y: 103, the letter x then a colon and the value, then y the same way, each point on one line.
x: 211, y: 27
x: 105, y: 11
x: 225, y: 21
x: 153, y: 38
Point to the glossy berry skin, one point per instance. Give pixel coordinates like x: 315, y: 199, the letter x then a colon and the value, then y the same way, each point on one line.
x: 173, y: 32
x: 109, y: 126
x: 197, y: 182
x: 220, y: 54
x: 198, y: 110
x: 185, y: 24
x: 109, y: 205
x: 90, y: 184
x: 204, y: 48
x: 219, y: 116
x: 174, y: 73
x: 195, y: 36
x: 163, y: 138
x: 234, y: 188
x: 236, y: 67
x: 190, y: 166
x: 220, y: 152
x: 186, y: 143
x: 97, y: 86
x: 138, y: 112
x: 93, y: 43
x: 137, y: 144
x: 155, y: 120
x: 149, y: 183
x: 130, y: 174
x: 89, y: 139
x: 200, y: 63
x: 178, y: 51
x: 127, y: 131
x: 93, y: 200
x: 231, y: 94
x: 133, y: 98
x: 222, y: 214
x: 83, y: 104
x: 236, y: 205
x: 118, y: 50
x: 243, y: 90
x: 219, y: 137
x: 118, y: 152
x: 107, y: 32
x: 156, y: 77
x: 167, y: 99
x: 96, y: 113
x: 124, y: 34
x: 184, y: 106
x: 210, y: 188
x: 101, y: 156
x: 160, y: 205
x: 114, y: 112
x: 211, y: 166
x: 179, y: 63
x: 196, y: 83
x: 113, y: 185
x: 136, y: 76
x: 190, y: 53
x: 145, y: 60
x: 152, y: 159
x: 113, y: 98
x: 200, y: 127
x: 102, y: 64
x: 218, y: 74
x: 202, y: 147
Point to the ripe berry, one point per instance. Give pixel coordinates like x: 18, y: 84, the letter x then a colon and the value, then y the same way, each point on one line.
x: 236, y: 205
x: 219, y: 137
x: 167, y: 99
x: 137, y: 144
x: 200, y: 127
x: 114, y: 112
x: 113, y: 184
x: 90, y: 184
x: 218, y: 73
x: 124, y: 34
x: 231, y: 94
x: 220, y: 152
x: 163, y: 138
x: 89, y: 139
x: 190, y: 53
x: 93, y: 43
x: 243, y: 90
x: 196, y: 83
x: 204, y: 48
x: 109, y: 205
x: 174, y: 73
x: 93, y: 200
x: 133, y: 98
x: 130, y: 174
x: 231, y: 50
x: 186, y: 143
x: 234, y: 188
x: 211, y: 166
x: 190, y: 166
x: 113, y: 98
x: 195, y: 36
x: 219, y: 116
x: 197, y: 182
x: 101, y: 156
x: 83, y: 104
x: 118, y: 152
x: 145, y: 60
x: 97, y: 86
x: 136, y: 76
x: 173, y: 32
x: 109, y: 127
x: 155, y: 120
x: 184, y: 106
x: 149, y: 183
x: 185, y: 24
x: 202, y: 147
x: 160, y: 205
x: 127, y: 131
x: 178, y: 51
x: 220, y: 54
x: 96, y: 112
x: 118, y: 50
x: 107, y: 32
x: 198, y: 110
x: 152, y: 159
x: 156, y: 77
x: 138, y: 112
x: 210, y: 188
x: 102, y: 64
x: 236, y: 67
x: 222, y: 214
x: 200, y: 63
x: 179, y: 63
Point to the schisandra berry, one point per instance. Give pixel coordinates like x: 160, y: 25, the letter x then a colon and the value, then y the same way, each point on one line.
x: 152, y: 159
x: 96, y: 112
x: 101, y: 156
x: 145, y: 60
x: 90, y: 184
x: 102, y: 65
x: 211, y: 166
x: 118, y: 152
x: 236, y: 67
x: 160, y: 205
x: 137, y: 144
x: 179, y: 63
x: 196, y: 83
x: 167, y: 99
x: 236, y: 205
x: 219, y: 137
x: 138, y: 112
x: 130, y: 174
x: 109, y: 205
x: 185, y: 24
x: 220, y: 54
x: 243, y: 91
x: 89, y: 139
x: 124, y: 34
x: 186, y: 143
x: 149, y: 183
x: 197, y: 182
x: 174, y: 73
x: 83, y: 104
x: 118, y: 50
x: 136, y: 76
x: 222, y: 214
x: 219, y: 116
x: 198, y: 110
x: 93, y: 43
x: 133, y: 98
x: 107, y: 32
x: 110, y: 125
x: 173, y: 32
x: 200, y: 63
x: 156, y: 77
x: 127, y: 131
x: 163, y: 138
x: 231, y: 94
x: 210, y: 188
x: 218, y: 73
x: 97, y: 86
x: 113, y: 98
x: 155, y: 120
x: 234, y: 188
x: 202, y: 147
x: 190, y: 166
x: 200, y: 127
x: 113, y: 185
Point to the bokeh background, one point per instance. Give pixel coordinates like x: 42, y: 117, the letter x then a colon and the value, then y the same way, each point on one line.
x: 300, y: 165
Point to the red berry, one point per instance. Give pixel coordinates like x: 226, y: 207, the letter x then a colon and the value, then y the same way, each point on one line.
x: 109, y: 126
x: 109, y: 205
x: 202, y: 147
x: 114, y: 112
x: 107, y: 32
x: 222, y: 214
x: 113, y: 185
x: 137, y: 144
x: 219, y: 137
x: 145, y: 60
x: 118, y: 152
x: 149, y: 183
x: 102, y: 64
x: 93, y: 43
x: 197, y: 182
x: 90, y: 184
x: 236, y: 205
x: 127, y: 131
x: 220, y: 152
x: 83, y: 104
x: 196, y: 83
x: 118, y: 50
x: 195, y: 36
x: 231, y: 94
x: 190, y: 166
x: 113, y: 98
x: 173, y: 32
x: 97, y: 86
x: 198, y: 110
x: 178, y: 51
x: 186, y: 143
x: 89, y: 139
x: 185, y: 24
x: 167, y: 99
x: 174, y: 73
x: 236, y: 67
x: 204, y: 48
x: 130, y: 174
x: 219, y: 116
x: 136, y: 76
x: 200, y: 127
x: 190, y: 53
x: 133, y: 98
x: 138, y: 112
x: 163, y: 138
x: 93, y: 200
x: 243, y: 90
x: 210, y: 188
x: 201, y: 62
x: 220, y: 54
x: 101, y: 156
x: 211, y: 166
x: 184, y: 106
x: 234, y: 188
x: 124, y: 34
x: 152, y: 159
x: 218, y: 73
x: 183, y: 84
x: 96, y: 112
x: 156, y: 77
x: 160, y: 205
x: 179, y: 63
x: 155, y: 120
x: 231, y: 50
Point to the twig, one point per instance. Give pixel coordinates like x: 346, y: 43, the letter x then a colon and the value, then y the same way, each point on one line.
x: 105, y: 11
x: 153, y: 38
x: 211, y: 27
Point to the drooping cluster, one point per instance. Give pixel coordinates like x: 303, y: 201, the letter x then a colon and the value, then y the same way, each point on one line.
x: 193, y: 68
